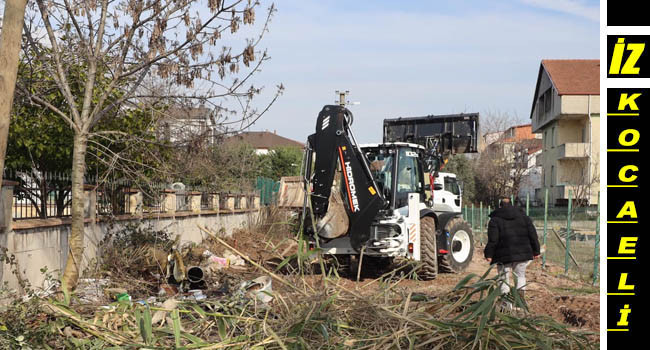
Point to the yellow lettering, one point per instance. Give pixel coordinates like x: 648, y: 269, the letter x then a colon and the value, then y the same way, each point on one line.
x: 622, y: 174
x: 617, y: 56
x: 622, y: 137
x: 625, y: 311
x: 622, y: 283
x: 626, y: 100
x: 627, y: 245
x: 630, y: 65
x: 629, y: 209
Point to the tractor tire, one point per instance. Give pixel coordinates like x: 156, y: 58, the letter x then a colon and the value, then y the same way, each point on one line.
x: 461, y: 247
x: 428, y: 249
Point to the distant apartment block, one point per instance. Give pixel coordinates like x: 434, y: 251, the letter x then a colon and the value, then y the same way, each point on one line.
x: 566, y: 112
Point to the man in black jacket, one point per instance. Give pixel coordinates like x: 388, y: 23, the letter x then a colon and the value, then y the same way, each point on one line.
x: 512, y: 244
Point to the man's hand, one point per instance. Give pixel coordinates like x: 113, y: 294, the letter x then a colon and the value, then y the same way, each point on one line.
x: 535, y: 256
x: 488, y: 260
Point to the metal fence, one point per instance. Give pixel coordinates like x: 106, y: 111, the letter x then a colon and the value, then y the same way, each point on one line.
x: 112, y: 198
x: 570, y: 236
x: 41, y: 195
x: 268, y: 189
x: 153, y: 198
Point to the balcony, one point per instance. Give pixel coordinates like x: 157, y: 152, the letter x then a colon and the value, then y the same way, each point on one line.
x: 573, y: 150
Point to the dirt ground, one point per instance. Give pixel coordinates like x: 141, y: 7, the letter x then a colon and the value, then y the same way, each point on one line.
x: 549, y: 292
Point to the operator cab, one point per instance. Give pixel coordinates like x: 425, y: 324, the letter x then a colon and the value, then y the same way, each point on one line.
x: 447, y: 195
x: 397, y: 170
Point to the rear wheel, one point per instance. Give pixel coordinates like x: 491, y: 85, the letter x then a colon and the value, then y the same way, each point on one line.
x: 461, y: 247
x: 428, y: 249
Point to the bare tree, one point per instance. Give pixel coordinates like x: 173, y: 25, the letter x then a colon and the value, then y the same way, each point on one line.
x: 121, y: 43
x: 583, y: 177
x: 493, y: 124
x: 504, y: 168
x: 10, y: 39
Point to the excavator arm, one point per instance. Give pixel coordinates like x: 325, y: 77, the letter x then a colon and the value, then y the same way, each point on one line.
x: 343, y: 194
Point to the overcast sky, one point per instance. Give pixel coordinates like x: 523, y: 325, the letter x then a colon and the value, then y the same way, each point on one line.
x: 413, y: 58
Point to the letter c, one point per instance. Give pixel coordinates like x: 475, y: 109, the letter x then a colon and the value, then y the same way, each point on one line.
x: 622, y: 174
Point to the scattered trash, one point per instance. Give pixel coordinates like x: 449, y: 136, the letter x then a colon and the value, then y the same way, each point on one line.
x: 235, y: 260
x: 167, y: 290
x: 195, y: 277
x: 197, y: 294
x: 259, y: 288
x: 175, y: 268
x: 91, y: 290
x: 123, y: 298
x: 112, y: 293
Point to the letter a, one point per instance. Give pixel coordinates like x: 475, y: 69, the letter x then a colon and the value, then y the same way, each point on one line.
x: 629, y: 209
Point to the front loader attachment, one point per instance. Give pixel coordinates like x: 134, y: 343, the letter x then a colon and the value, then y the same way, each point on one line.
x: 454, y: 133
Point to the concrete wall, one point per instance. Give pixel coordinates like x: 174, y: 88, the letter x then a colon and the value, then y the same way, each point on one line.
x: 572, y: 119
x: 580, y: 104
x: 571, y: 143
x: 40, y: 243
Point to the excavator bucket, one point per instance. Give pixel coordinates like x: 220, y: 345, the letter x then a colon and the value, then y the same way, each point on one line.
x: 454, y: 133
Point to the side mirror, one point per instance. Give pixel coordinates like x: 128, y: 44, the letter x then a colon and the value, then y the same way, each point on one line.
x: 437, y: 187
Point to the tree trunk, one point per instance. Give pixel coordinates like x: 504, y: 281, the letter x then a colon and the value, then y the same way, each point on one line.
x: 76, y: 238
x: 10, y: 40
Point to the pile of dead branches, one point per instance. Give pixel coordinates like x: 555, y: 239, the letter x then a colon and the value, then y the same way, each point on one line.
x: 469, y: 316
x: 313, y: 312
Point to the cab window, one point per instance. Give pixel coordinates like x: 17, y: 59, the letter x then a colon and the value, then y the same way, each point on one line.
x: 451, y: 185
x: 408, y: 172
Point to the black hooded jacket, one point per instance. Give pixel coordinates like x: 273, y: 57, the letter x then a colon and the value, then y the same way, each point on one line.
x: 511, y: 236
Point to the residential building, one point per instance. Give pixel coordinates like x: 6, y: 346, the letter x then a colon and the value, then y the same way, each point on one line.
x: 566, y: 112
x: 531, y: 181
x: 519, y: 147
x: 263, y: 141
x: 181, y: 125
x: 488, y: 139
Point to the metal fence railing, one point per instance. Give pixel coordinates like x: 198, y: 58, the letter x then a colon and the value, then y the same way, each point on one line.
x: 206, y: 201
x: 41, y: 195
x: 268, y: 189
x: 570, y: 236
x: 112, y: 198
x: 153, y: 198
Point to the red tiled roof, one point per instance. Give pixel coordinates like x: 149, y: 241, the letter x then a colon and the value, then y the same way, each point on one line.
x: 521, y: 132
x: 574, y: 77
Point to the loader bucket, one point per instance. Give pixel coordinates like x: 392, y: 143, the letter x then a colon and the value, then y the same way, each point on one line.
x: 454, y: 133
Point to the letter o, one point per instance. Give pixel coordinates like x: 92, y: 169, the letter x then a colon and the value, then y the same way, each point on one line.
x: 622, y: 137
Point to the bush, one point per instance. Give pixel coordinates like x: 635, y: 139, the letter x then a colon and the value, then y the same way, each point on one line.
x: 134, y: 256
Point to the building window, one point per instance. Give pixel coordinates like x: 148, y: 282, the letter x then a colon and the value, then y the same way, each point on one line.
x: 552, y: 137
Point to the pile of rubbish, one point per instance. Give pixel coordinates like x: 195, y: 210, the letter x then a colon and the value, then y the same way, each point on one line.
x: 216, y: 297
x: 184, y: 272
